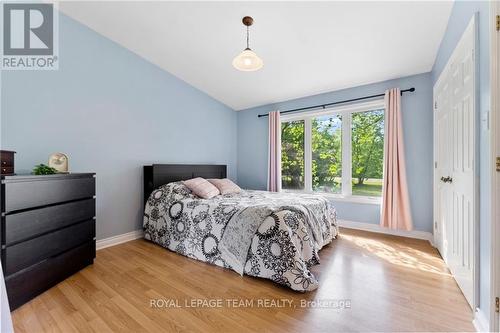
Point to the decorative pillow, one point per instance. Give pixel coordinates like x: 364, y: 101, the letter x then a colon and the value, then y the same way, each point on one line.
x: 225, y: 185
x: 202, y: 188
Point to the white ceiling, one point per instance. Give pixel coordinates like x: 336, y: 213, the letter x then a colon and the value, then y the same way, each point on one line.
x: 307, y: 47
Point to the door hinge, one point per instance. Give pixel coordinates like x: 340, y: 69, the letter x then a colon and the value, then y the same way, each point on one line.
x: 498, y: 22
x: 498, y: 163
x: 497, y: 304
x: 435, y: 105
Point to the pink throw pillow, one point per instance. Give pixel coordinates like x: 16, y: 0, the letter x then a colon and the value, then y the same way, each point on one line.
x: 201, y: 187
x: 225, y: 186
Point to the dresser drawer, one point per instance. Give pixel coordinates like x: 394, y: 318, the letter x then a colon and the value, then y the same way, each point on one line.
x: 6, y: 163
x: 29, y: 194
x: 6, y: 170
x: 25, y: 254
x: 6, y: 159
x: 31, y: 282
x: 28, y: 224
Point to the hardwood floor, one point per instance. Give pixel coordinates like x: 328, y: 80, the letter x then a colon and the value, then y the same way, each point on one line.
x: 392, y: 284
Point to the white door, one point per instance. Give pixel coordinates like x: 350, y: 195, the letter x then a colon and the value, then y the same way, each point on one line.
x: 454, y: 176
x: 443, y: 159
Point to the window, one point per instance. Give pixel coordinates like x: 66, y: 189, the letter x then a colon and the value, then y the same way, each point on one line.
x: 338, y: 151
x: 292, y: 155
x: 367, y: 152
x: 327, y: 154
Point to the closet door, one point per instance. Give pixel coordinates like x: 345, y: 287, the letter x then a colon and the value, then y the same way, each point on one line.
x: 443, y: 159
x: 455, y: 151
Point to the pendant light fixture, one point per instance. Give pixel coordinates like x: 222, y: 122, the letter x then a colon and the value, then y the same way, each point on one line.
x: 247, y: 60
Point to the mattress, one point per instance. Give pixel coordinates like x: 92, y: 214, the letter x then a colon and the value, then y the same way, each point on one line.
x: 280, y: 234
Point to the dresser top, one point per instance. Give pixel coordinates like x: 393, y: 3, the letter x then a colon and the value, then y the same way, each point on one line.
x: 31, y: 177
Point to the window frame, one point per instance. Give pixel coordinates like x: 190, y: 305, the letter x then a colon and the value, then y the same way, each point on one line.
x: 346, y: 113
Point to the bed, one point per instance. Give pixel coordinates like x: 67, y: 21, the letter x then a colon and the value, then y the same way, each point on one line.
x: 276, y: 236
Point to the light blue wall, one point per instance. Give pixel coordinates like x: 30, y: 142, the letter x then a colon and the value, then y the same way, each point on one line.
x: 461, y: 15
x: 417, y: 123
x: 111, y: 112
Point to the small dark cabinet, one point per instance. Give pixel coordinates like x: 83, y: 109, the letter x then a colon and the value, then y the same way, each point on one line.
x: 47, y: 231
x: 7, y: 162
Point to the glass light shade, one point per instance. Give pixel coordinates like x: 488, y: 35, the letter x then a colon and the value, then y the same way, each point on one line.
x: 247, y: 61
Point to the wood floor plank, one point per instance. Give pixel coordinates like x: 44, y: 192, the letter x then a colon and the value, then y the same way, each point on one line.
x: 391, y: 283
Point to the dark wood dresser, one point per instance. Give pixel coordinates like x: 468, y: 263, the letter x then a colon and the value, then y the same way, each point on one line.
x: 47, y: 231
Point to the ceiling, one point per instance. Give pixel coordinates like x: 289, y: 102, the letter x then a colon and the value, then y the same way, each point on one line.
x: 307, y: 47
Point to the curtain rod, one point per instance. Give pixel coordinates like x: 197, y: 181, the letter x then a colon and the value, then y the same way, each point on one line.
x: 335, y: 103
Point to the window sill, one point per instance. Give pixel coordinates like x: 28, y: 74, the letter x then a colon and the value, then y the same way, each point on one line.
x: 355, y: 199
x: 342, y: 198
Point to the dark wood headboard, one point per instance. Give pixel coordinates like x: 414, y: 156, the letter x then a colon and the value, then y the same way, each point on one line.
x: 157, y: 175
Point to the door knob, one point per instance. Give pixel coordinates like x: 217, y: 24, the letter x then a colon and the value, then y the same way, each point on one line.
x: 447, y: 179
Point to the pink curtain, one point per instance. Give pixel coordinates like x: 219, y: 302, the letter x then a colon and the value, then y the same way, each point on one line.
x: 396, y: 213
x: 274, y: 160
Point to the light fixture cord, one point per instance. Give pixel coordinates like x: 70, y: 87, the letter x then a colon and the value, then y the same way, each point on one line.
x: 248, y: 39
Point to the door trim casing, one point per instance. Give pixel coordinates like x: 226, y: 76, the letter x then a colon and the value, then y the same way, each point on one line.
x: 495, y: 178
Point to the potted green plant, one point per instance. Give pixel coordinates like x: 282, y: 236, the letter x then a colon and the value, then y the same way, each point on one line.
x: 42, y: 169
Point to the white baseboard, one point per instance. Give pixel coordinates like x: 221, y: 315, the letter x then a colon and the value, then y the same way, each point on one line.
x: 129, y: 236
x: 377, y: 228
x: 480, y: 322
x: 119, y: 239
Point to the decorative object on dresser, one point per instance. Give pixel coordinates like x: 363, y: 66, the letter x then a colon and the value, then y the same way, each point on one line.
x: 59, y: 161
x: 47, y: 231
x: 42, y: 169
x: 7, y: 162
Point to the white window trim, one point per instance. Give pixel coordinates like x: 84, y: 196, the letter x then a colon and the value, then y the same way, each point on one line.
x: 307, y: 154
x: 360, y: 199
x: 346, y: 112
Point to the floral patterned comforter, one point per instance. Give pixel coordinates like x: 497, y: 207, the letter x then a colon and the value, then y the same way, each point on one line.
x: 284, y: 247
